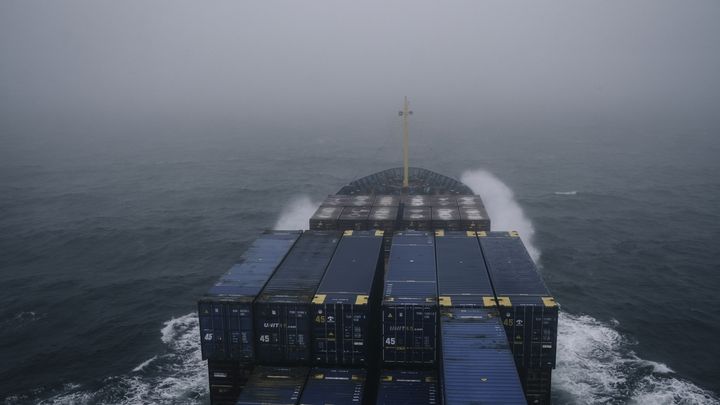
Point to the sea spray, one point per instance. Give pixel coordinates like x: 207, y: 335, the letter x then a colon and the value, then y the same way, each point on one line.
x: 505, y: 213
x: 296, y: 213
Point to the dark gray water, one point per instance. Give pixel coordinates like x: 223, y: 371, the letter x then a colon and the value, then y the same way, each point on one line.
x: 105, y: 243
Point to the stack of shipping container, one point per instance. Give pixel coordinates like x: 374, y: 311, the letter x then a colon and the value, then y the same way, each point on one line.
x: 361, y: 310
x: 528, y: 312
x: 476, y: 362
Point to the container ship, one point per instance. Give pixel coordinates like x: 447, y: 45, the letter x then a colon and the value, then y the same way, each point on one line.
x: 399, y: 292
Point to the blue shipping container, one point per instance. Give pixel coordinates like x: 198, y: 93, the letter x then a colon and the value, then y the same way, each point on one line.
x: 409, y: 307
x: 281, y: 312
x: 225, y: 312
x: 477, y: 366
x: 461, y: 272
x: 345, y: 309
x: 528, y: 311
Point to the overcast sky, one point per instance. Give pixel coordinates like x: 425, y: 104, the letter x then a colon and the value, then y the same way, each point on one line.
x: 304, y: 60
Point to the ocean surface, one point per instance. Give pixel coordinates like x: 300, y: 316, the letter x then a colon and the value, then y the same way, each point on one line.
x: 107, y: 241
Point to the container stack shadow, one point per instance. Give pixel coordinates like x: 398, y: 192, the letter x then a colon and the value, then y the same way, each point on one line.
x: 387, y: 299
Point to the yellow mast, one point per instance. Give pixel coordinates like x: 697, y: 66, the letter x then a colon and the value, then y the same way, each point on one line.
x: 406, y: 167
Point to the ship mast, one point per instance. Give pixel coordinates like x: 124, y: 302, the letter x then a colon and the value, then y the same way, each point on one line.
x: 406, y: 168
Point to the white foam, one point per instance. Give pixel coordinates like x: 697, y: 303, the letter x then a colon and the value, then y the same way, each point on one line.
x: 505, y: 213
x: 595, y: 364
x: 566, y: 192
x: 296, y: 213
x: 178, y: 375
x: 144, y: 364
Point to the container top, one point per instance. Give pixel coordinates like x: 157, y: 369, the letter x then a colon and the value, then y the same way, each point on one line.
x: 354, y: 265
x: 416, y: 213
x: 469, y: 200
x: 411, y: 267
x: 445, y: 200
x: 460, y: 266
x: 327, y: 212
x: 510, y: 266
x: 387, y: 201
x: 416, y: 200
x: 473, y: 213
x: 383, y: 213
x: 300, y: 273
x: 355, y: 213
x: 408, y: 387
x: 273, y: 385
x: 445, y: 213
x: 333, y: 386
x: 257, y: 264
x: 477, y: 364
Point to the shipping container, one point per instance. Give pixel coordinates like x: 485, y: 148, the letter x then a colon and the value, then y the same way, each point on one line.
x: 470, y: 201
x: 383, y: 218
x: 528, y: 311
x: 325, y: 218
x: 417, y: 218
x: 444, y: 200
x: 337, y: 201
x: 345, y: 309
x: 354, y: 218
x: 461, y: 272
x: 281, y: 312
x: 327, y: 386
x: 273, y: 386
x: 362, y: 200
x: 537, y: 385
x: 409, y: 304
x: 408, y: 387
x: 226, y: 379
x: 225, y: 312
x: 474, y: 219
x: 447, y: 218
x: 416, y: 200
x: 477, y: 365
x: 386, y: 201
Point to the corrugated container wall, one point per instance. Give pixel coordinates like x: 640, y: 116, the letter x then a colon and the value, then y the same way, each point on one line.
x: 273, y: 386
x: 528, y: 311
x: 326, y: 386
x: 537, y: 385
x: 345, y: 309
x: 226, y: 379
x: 410, y: 300
x: 225, y: 312
x: 282, y: 324
x: 408, y: 387
x: 477, y: 366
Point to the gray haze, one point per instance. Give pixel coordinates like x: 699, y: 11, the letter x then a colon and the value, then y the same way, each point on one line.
x: 111, y: 69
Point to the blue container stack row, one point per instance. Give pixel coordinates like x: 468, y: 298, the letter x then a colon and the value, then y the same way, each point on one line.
x: 282, y: 311
x: 453, y: 317
x: 476, y: 362
x: 345, y: 307
x: 389, y: 213
x: 409, y: 306
x: 528, y: 312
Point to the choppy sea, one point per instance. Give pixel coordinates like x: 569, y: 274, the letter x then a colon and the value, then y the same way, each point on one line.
x: 106, y: 244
